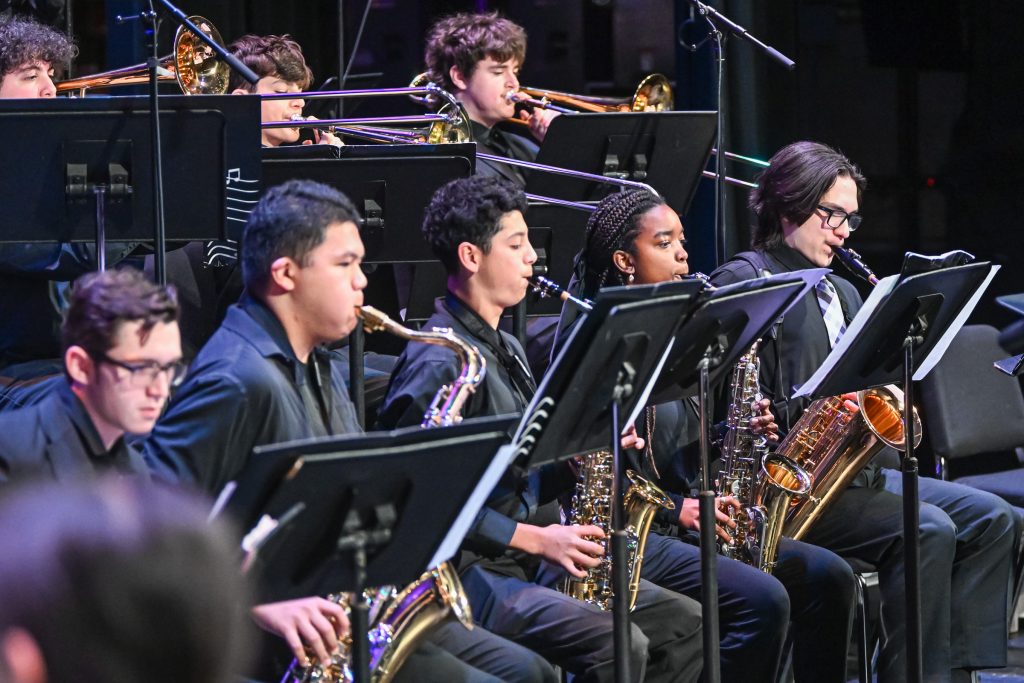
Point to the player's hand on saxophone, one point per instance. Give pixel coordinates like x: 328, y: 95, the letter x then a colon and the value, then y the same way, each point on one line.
x: 764, y: 424
x: 689, y: 515
x: 569, y: 547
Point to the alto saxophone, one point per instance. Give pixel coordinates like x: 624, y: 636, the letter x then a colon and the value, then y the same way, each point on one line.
x: 400, y: 619
x: 834, y: 443
x: 592, y: 504
x: 763, y: 483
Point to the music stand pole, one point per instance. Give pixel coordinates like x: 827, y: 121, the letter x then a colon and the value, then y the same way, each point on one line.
x: 152, y: 67
x: 620, y: 540
x: 708, y: 526
x: 911, y: 513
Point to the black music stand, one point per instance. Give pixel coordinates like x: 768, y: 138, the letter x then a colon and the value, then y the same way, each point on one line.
x: 898, y: 336
x: 606, y: 367
x: 391, y: 186
x: 668, y: 150
x: 708, y: 343
x: 79, y: 168
x: 344, y: 513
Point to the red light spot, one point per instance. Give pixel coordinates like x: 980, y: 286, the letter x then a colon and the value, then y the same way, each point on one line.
x: 930, y: 182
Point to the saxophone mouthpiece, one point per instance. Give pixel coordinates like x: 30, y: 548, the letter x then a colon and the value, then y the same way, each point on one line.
x: 373, y: 319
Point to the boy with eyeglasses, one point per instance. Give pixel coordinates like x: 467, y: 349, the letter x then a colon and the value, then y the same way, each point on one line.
x: 807, y: 204
x: 122, y: 354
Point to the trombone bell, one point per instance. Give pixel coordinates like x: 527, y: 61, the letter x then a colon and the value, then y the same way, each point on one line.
x: 192, y: 63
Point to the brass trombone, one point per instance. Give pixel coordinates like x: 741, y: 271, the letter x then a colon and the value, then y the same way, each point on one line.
x: 449, y: 124
x: 653, y: 94
x: 191, y: 63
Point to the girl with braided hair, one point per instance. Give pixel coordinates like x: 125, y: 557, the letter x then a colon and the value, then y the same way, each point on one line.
x: 634, y: 238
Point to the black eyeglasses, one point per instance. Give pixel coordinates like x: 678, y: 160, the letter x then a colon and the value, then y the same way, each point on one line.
x: 144, y: 373
x: 835, y: 218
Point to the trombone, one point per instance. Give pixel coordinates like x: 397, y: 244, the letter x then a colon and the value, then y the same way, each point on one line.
x: 449, y: 124
x: 191, y: 63
x: 654, y: 93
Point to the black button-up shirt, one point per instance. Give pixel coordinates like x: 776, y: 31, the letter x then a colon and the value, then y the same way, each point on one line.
x: 246, y: 388
x: 507, y: 388
x: 56, y: 438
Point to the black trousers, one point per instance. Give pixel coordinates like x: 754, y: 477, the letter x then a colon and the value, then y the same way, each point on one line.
x: 665, y: 628
x: 811, y: 591
x: 967, y: 539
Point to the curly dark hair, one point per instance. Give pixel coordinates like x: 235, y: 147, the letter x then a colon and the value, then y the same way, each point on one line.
x: 791, y: 187
x: 468, y: 210
x: 101, y: 302
x: 278, y: 56
x: 462, y: 40
x: 614, y: 226
x: 24, y: 40
x: 290, y: 220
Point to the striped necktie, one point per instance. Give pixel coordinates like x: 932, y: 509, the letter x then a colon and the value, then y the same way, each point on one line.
x: 831, y: 310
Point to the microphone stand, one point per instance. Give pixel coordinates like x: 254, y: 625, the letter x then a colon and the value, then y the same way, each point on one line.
x: 719, y: 23
x: 709, y: 577
x: 151, y: 21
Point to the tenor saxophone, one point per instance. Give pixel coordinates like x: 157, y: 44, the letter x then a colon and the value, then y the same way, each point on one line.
x: 764, y: 484
x: 833, y: 443
x: 400, y: 619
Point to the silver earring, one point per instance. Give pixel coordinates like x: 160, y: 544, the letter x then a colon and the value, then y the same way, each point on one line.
x: 630, y: 278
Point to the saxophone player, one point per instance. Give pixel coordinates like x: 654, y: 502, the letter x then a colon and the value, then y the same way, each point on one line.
x: 264, y: 377
x: 635, y: 238
x: 806, y: 204
x: 517, y: 550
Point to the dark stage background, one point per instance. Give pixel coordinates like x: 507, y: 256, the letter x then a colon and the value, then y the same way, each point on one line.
x: 923, y: 94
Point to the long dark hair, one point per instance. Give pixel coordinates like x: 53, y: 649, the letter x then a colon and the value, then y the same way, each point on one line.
x: 791, y: 187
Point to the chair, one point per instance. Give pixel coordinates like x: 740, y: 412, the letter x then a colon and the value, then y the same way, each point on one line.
x: 866, y: 638
x: 969, y: 409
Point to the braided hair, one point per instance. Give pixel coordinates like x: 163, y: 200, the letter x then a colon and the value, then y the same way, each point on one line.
x: 614, y: 226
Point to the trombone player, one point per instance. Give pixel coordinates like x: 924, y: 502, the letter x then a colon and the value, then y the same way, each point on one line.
x: 282, y: 68
x: 477, y: 58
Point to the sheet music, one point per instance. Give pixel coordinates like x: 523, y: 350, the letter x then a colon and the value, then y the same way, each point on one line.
x: 878, y: 294
x: 925, y: 366
x: 453, y: 539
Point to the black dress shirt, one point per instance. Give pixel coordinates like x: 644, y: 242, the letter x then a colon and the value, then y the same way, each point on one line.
x: 57, y: 439
x: 797, y: 346
x: 507, y: 388
x: 498, y: 142
x: 246, y: 388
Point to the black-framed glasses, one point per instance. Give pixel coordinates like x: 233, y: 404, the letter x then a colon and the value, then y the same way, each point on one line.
x: 834, y: 218
x: 144, y: 373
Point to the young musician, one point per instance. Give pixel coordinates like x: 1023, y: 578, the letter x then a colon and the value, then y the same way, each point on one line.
x: 517, y: 550
x: 807, y: 203
x: 114, y: 581
x: 279, y: 63
x: 634, y: 238
x: 265, y: 377
x: 122, y: 354
x: 30, y: 55
x: 477, y: 58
